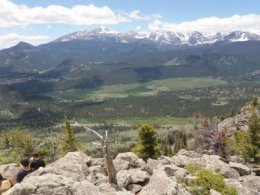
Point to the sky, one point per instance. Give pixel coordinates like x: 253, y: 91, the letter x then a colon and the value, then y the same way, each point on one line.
x: 41, y: 21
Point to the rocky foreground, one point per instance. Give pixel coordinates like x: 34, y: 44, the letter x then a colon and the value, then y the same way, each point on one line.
x: 78, y: 174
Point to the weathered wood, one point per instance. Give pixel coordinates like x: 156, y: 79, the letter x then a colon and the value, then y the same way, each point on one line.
x: 111, y: 171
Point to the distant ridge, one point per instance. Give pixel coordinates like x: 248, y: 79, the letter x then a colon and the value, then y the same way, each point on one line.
x: 160, y: 38
x: 23, y: 45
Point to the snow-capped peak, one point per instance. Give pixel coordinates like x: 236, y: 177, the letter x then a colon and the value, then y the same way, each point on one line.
x: 241, y: 36
x: 159, y: 37
x: 104, y: 30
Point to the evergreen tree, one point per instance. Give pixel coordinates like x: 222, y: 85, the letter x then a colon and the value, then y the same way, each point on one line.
x: 254, y: 102
x: 240, y: 144
x: 69, y: 143
x: 16, y: 143
x: 254, y: 131
x: 147, y: 145
x: 179, y: 142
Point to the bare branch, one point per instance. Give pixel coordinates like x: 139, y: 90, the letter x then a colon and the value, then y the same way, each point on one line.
x: 111, y: 171
x: 93, y: 131
x: 95, y: 143
x: 106, y: 136
x: 88, y: 129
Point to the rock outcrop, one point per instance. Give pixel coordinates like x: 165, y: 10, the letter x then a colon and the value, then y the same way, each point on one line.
x: 238, y: 122
x: 242, y: 169
x: 211, y: 162
x: 9, y: 171
x: 246, y: 185
x: 79, y: 174
x: 59, y: 177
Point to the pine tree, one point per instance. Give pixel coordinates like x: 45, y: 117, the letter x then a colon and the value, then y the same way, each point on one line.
x: 254, y: 131
x: 179, y: 142
x: 147, y: 145
x: 69, y: 142
x: 254, y: 102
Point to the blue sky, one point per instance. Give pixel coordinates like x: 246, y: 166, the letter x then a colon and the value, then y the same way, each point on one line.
x: 39, y: 21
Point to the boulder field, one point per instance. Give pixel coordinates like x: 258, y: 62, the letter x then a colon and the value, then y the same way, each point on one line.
x: 78, y: 174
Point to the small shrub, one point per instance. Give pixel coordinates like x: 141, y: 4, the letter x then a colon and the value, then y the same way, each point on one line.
x: 193, y: 168
x: 207, y: 180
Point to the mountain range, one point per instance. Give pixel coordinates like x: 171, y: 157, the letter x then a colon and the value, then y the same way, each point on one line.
x: 102, y: 57
x: 160, y: 38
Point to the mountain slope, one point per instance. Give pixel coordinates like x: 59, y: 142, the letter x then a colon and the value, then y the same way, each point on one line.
x: 26, y: 58
x: 101, y: 57
x: 106, y: 46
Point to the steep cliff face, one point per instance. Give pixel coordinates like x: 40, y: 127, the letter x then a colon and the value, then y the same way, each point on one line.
x: 79, y: 174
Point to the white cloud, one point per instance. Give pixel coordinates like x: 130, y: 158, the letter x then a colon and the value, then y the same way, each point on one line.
x: 137, y: 16
x: 249, y: 22
x: 12, y: 39
x: 12, y: 15
x: 17, y: 15
x: 138, y: 28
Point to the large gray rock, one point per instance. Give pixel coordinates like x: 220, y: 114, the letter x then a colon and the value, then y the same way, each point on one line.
x: 6, y: 185
x: 241, y: 190
x: 128, y: 160
x: 175, y: 172
x: 41, y: 185
x: 211, y: 162
x: 107, y: 188
x: 153, y: 164
x: 97, y: 174
x: 9, y: 171
x: 123, y: 178
x: 252, y: 183
x: 83, y: 188
x: 181, y: 174
x: 131, y: 176
x: 112, y: 189
x: 57, y: 178
x: 169, y: 170
x: 161, y: 184
x: 242, y: 169
x: 246, y: 185
x: 138, y: 176
x: 120, y: 164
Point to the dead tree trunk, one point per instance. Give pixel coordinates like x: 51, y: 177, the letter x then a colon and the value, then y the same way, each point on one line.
x: 111, y: 171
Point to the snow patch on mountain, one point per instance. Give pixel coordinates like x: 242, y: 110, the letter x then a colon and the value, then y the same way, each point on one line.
x: 161, y: 38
